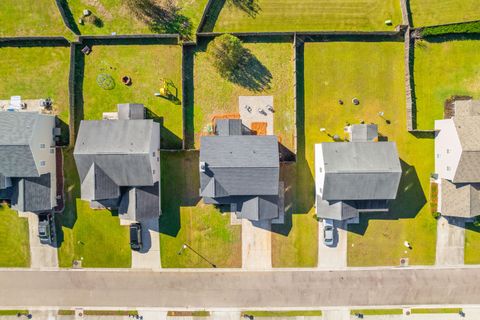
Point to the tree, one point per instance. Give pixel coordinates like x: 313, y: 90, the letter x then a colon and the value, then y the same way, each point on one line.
x: 227, y: 55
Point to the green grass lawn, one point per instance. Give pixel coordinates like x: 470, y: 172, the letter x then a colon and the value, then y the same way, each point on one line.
x: 376, y: 312
x: 116, y: 17
x: 187, y: 220
x: 436, y: 310
x: 215, y: 95
x: 343, y: 70
x: 14, y: 242
x: 92, y: 235
x: 434, y: 12
x: 456, y: 65
x: 472, y: 244
x: 293, y: 313
x: 34, y: 73
x: 306, y: 15
x: 147, y: 65
x: 295, y: 244
x: 31, y: 18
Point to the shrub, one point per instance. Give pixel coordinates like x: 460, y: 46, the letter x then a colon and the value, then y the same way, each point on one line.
x: 436, y: 215
x: 227, y: 54
x: 476, y: 222
x: 466, y: 27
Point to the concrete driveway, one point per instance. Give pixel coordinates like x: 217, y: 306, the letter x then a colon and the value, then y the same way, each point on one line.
x: 41, y: 255
x: 256, y: 245
x: 149, y: 256
x: 333, y: 257
x: 450, y: 241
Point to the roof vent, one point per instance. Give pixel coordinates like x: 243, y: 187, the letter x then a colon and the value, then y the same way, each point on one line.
x: 203, y: 166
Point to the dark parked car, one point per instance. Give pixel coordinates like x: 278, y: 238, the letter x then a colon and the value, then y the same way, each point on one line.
x: 136, y: 236
x: 46, y: 228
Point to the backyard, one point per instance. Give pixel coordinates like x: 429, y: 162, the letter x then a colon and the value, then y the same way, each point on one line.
x: 187, y: 220
x: 270, y: 72
x: 14, y: 242
x: 35, y: 73
x: 378, y: 238
x: 147, y: 66
x: 93, y: 236
x: 31, y: 18
x: 434, y: 12
x: 303, y: 15
x: 116, y: 16
x: 455, y: 66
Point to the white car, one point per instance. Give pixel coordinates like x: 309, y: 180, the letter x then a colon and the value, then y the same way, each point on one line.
x: 328, y: 232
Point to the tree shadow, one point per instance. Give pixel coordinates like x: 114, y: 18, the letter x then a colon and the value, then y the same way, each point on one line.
x: 288, y: 177
x: 180, y: 181
x: 251, y: 74
x: 410, y: 200
x: 166, y: 19
x: 250, y: 7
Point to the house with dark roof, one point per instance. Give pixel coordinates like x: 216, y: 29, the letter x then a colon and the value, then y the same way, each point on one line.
x: 118, y: 162
x: 241, y: 171
x: 362, y: 175
x: 27, y: 160
x: 457, y: 160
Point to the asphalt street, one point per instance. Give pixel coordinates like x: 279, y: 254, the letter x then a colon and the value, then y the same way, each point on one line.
x: 237, y: 289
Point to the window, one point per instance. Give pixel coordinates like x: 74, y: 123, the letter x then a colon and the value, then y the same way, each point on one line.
x: 153, y: 154
x: 438, y: 155
x: 153, y: 171
x: 321, y: 170
x: 52, y: 150
x: 43, y: 163
x: 448, y: 150
x: 448, y: 168
x: 42, y: 146
x: 320, y: 190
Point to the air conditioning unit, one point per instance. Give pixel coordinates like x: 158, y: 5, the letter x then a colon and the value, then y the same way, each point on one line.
x: 203, y: 166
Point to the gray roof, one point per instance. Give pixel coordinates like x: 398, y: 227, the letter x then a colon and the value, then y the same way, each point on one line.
x: 16, y: 132
x: 97, y: 185
x: 128, y: 111
x: 363, y: 132
x: 32, y: 194
x: 361, y: 170
x: 342, y: 210
x: 229, y: 127
x: 141, y: 203
x: 258, y: 208
x: 460, y: 200
x: 239, y: 165
x: 121, y: 148
x: 468, y: 130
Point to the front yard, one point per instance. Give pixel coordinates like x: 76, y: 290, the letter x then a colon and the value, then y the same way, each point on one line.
x: 14, y: 239
x: 31, y: 18
x: 472, y: 244
x: 270, y: 72
x: 147, y: 66
x: 305, y: 15
x: 186, y: 220
x: 93, y: 236
x: 443, y: 69
x: 373, y: 73
x: 434, y: 12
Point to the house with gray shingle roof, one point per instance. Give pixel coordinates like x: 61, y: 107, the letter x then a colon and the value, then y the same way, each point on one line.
x: 358, y: 176
x: 457, y: 160
x: 118, y: 162
x: 241, y: 171
x: 27, y: 161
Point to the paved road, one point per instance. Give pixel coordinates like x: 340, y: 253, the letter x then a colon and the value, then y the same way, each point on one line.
x: 233, y: 289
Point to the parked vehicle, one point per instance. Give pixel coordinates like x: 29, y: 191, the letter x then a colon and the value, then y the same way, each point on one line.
x: 136, y: 242
x: 46, y: 228
x: 328, y: 232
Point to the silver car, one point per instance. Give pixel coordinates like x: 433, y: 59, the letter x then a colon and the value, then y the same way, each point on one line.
x: 328, y: 232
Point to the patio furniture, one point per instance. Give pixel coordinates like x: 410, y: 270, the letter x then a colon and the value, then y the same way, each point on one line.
x: 270, y: 108
x: 86, y: 50
x: 261, y: 111
x: 16, y: 103
x: 248, y: 108
x: 126, y: 80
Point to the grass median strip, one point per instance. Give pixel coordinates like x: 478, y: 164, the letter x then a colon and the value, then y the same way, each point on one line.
x: 293, y: 313
x: 435, y: 310
x: 376, y: 312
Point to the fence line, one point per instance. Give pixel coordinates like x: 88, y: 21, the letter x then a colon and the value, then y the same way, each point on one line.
x: 71, y: 94
x: 295, y: 90
x: 406, y: 14
x: 304, y: 33
x: 186, y: 103
x: 411, y: 123
x: 60, y: 6
x: 204, y: 16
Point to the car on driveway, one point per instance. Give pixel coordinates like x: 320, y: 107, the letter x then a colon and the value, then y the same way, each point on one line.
x: 46, y: 228
x: 136, y: 242
x: 328, y: 232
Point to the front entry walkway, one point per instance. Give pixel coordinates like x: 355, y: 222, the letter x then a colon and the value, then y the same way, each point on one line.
x: 42, y: 255
x: 450, y: 241
x: 256, y: 245
x: 149, y: 256
x: 334, y: 257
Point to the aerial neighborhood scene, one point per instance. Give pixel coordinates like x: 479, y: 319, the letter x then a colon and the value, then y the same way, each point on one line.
x: 240, y: 159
